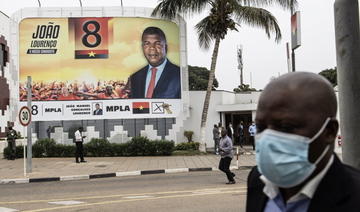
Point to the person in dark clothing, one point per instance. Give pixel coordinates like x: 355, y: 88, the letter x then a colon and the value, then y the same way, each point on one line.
x: 241, y: 134
x: 216, y: 137
x: 297, y: 169
x: 226, y: 152
x: 11, y: 139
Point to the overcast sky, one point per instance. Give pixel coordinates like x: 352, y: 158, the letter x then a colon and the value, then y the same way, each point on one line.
x: 263, y: 58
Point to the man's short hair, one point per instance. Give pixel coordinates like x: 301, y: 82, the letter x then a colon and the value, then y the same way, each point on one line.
x: 97, y: 104
x: 154, y: 31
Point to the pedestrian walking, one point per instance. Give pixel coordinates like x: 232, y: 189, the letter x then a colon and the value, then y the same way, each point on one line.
x: 79, y: 140
x: 226, y: 152
x: 216, y: 137
x: 252, y: 132
x: 11, y: 139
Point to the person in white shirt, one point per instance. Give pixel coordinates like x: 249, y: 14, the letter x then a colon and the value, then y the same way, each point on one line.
x: 252, y: 132
x: 79, y: 140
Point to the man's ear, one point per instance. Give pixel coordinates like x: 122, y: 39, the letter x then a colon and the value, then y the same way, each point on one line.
x: 331, y: 131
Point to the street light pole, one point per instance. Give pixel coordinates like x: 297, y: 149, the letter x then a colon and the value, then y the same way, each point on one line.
x: 348, y: 65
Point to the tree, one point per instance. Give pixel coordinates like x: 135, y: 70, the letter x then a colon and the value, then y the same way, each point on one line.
x: 331, y: 75
x: 199, y: 77
x: 224, y: 15
x: 243, y: 88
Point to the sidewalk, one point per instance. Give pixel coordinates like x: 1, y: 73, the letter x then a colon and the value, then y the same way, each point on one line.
x: 66, y: 167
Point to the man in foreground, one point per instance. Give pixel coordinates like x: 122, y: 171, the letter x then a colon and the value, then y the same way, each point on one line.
x: 297, y: 169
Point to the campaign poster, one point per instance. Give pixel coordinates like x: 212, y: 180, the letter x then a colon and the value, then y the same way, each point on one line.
x: 100, y: 67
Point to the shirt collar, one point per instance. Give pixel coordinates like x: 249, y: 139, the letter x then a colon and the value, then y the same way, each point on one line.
x: 307, y: 191
x: 160, y: 67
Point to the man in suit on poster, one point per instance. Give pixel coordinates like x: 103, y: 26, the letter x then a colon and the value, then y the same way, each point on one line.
x: 297, y: 169
x: 160, y: 78
x: 98, y: 110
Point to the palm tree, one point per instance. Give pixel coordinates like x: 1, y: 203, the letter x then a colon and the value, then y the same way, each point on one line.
x: 224, y: 15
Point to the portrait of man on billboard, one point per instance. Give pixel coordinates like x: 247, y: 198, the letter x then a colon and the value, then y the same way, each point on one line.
x: 160, y: 78
x: 98, y: 110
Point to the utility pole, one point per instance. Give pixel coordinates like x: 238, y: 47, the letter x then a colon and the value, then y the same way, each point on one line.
x: 29, y: 129
x: 240, y: 62
x: 348, y: 65
x: 295, y: 35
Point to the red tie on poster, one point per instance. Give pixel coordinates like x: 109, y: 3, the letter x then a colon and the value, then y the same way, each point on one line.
x: 151, y: 87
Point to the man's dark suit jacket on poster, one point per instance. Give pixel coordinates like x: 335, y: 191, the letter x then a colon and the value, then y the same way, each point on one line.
x: 98, y: 112
x: 338, y: 191
x: 168, y: 86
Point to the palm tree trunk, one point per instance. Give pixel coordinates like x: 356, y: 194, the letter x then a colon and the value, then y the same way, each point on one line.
x: 207, y: 96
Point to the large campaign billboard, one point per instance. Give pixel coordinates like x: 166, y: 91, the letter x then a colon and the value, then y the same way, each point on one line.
x: 100, y: 67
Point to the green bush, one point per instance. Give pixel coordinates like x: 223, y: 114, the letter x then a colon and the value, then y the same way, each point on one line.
x: 118, y: 149
x: 98, y: 147
x: 188, y: 146
x: 164, y: 147
x: 189, y: 135
x: 19, y: 152
x: 138, y: 146
x: 45, y: 148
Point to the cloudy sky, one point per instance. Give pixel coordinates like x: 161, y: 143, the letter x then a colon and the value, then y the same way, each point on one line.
x: 263, y: 57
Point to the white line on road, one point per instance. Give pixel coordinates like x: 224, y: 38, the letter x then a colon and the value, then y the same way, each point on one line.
x: 7, y: 209
x: 137, y: 197
x: 71, y: 202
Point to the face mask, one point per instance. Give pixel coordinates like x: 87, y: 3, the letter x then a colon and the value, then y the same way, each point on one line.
x: 283, y: 158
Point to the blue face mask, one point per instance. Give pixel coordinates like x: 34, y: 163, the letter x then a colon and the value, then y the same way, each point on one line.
x: 283, y: 158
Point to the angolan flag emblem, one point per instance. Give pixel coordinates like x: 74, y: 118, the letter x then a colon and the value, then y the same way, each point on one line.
x: 141, y: 107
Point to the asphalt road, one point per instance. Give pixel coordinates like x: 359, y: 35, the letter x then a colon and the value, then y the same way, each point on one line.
x: 185, y: 192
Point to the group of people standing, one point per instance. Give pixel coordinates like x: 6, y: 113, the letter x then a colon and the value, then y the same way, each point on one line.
x: 223, y: 139
x: 237, y: 135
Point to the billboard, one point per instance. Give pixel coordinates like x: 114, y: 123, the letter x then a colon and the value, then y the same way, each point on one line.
x: 100, y: 68
x: 295, y: 30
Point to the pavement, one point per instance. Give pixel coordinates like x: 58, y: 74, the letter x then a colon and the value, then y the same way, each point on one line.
x: 61, y: 169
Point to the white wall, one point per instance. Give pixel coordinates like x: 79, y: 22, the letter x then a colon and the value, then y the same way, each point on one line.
x: 217, y: 98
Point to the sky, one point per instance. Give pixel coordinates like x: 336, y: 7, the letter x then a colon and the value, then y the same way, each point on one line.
x: 263, y: 58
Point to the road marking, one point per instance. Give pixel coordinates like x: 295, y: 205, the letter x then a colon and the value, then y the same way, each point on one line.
x: 137, y: 197
x: 130, y: 200
x: 71, y: 202
x: 120, y: 195
x: 7, y: 209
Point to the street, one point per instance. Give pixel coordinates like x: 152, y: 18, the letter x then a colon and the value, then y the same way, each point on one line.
x: 198, y: 191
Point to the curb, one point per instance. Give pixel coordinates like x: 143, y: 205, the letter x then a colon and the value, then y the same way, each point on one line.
x: 115, y: 174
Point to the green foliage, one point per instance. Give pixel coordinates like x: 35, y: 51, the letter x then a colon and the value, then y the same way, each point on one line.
x: 98, y: 147
x: 243, y: 88
x: 189, y: 135
x: 45, y: 148
x: 331, y: 75
x: 199, y: 78
x: 164, y: 147
x: 188, y: 146
x: 19, y: 152
x: 137, y: 146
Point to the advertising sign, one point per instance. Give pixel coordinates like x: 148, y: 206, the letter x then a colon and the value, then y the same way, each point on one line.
x: 295, y: 30
x: 100, y: 68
